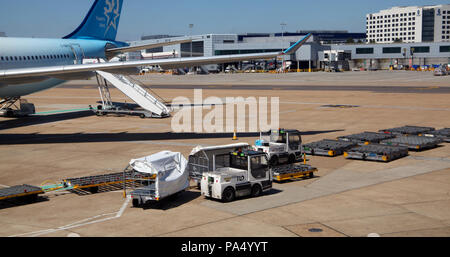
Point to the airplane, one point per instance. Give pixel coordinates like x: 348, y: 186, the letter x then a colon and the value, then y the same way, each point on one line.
x: 30, y: 65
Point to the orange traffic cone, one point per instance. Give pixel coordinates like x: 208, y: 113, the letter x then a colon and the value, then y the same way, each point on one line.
x: 234, y: 135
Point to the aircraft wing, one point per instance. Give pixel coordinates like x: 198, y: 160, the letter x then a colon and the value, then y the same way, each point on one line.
x: 115, y: 67
x: 145, y: 46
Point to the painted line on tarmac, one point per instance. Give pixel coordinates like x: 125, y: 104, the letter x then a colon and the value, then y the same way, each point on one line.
x: 374, y: 106
x: 80, y: 223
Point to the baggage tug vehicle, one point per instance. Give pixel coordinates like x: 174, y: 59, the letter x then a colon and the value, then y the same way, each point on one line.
x: 243, y: 173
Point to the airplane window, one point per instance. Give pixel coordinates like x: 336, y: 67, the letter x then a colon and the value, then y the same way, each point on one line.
x: 20, y: 58
x: 48, y: 56
x: 7, y: 58
x: 2, y: 58
x: 15, y: 58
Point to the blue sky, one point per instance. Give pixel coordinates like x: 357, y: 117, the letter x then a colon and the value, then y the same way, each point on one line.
x: 56, y: 18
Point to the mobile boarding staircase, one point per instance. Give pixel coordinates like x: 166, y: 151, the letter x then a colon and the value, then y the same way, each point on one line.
x: 152, y: 106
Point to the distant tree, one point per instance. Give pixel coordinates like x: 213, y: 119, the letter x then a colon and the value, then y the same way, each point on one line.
x: 350, y: 40
x: 398, y: 40
x: 360, y: 41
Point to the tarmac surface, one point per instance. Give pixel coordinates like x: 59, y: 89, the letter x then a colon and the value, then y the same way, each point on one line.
x: 406, y: 197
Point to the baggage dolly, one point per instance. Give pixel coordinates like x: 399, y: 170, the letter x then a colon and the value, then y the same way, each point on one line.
x: 26, y: 192
x: 376, y: 152
x: 366, y: 138
x: 413, y: 142
x: 327, y: 147
x: 408, y: 130
x: 444, y: 134
x: 92, y: 183
x: 292, y: 172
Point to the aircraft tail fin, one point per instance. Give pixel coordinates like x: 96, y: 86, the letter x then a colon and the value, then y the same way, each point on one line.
x: 101, y: 22
x: 297, y: 45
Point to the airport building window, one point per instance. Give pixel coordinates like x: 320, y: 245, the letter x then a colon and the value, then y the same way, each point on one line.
x: 154, y: 50
x: 444, y: 49
x: 421, y: 49
x: 366, y: 50
x: 392, y: 50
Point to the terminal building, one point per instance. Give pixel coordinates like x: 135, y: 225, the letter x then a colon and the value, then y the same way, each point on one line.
x: 340, y: 49
x: 225, y: 44
x: 384, y: 56
x: 409, y: 24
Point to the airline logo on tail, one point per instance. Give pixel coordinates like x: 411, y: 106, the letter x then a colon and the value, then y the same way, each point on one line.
x: 112, y: 14
x: 101, y: 22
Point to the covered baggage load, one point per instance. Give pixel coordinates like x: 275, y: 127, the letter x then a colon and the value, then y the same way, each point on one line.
x: 171, y: 176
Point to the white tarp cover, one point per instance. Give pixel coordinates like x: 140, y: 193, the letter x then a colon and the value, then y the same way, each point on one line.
x: 217, y: 147
x: 171, y: 170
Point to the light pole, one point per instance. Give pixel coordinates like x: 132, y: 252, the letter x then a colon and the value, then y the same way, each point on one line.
x: 283, y: 25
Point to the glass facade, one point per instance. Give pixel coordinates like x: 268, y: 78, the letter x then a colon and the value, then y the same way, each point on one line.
x: 444, y: 49
x: 421, y: 49
x: 392, y: 50
x: 367, y: 50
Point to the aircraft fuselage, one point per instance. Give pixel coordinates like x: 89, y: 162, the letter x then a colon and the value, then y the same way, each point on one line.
x: 18, y: 53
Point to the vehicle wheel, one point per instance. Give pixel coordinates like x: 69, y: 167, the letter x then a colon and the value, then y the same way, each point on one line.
x: 228, y: 195
x: 142, y: 116
x: 256, y: 190
x: 311, y: 175
x: 274, y: 160
x: 291, y: 159
x: 135, y: 203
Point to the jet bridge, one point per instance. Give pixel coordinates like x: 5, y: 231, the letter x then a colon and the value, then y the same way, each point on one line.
x: 151, y: 105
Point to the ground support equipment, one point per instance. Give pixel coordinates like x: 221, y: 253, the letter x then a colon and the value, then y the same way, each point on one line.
x: 327, y: 147
x: 292, y: 172
x: 444, y: 134
x: 24, y: 191
x: 408, y: 130
x: 376, y: 152
x: 413, y: 142
x: 92, y: 183
x: 366, y: 138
